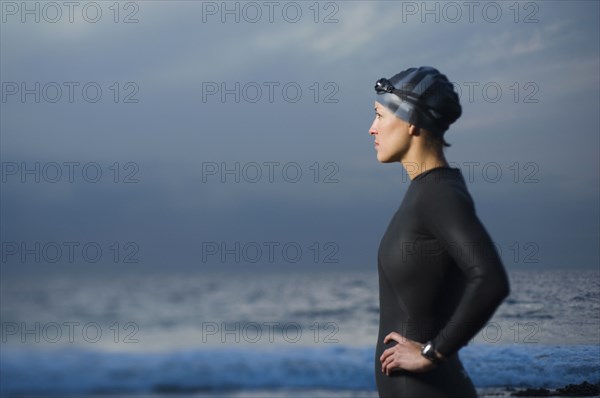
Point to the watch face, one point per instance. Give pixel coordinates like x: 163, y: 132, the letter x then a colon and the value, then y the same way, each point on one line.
x: 428, y: 353
x: 427, y: 349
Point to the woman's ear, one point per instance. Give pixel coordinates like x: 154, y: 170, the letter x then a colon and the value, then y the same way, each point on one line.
x: 413, y: 130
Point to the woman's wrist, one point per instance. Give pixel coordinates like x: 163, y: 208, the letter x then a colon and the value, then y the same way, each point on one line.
x: 428, y: 351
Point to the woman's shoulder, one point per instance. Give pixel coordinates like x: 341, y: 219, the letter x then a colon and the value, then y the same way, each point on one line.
x: 442, y: 188
x: 440, y: 178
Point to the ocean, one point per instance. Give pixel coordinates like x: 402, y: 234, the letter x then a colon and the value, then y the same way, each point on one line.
x: 270, y: 334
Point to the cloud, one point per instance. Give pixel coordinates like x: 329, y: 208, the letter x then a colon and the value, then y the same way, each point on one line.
x: 171, y: 51
x: 360, y: 25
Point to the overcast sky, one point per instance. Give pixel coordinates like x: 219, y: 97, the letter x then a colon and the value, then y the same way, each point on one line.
x: 193, y: 135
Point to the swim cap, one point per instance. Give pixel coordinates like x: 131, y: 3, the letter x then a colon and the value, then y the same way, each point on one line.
x: 421, y: 96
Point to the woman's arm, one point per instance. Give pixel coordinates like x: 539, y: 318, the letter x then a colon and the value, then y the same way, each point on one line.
x: 450, y: 214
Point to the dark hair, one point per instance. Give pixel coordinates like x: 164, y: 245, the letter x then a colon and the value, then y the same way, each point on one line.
x: 436, y: 140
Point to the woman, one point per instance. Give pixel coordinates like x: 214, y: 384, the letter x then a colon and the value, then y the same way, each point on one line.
x: 440, y: 276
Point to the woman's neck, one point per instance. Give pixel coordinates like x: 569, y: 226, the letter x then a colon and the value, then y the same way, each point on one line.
x: 421, y: 161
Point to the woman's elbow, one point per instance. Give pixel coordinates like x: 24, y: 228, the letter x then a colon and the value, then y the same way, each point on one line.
x: 502, y: 286
x: 497, y: 287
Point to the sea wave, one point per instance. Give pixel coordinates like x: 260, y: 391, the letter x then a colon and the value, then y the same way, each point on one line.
x: 78, y: 372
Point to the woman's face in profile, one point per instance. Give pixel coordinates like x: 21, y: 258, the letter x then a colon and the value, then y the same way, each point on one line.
x: 390, y: 133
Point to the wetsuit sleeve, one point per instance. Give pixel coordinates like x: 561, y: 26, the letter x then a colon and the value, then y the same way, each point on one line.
x: 450, y: 214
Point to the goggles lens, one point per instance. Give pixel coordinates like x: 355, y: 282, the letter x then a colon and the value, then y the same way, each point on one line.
x: 383, y: 85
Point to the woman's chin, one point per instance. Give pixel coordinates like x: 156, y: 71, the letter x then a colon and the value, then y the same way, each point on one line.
x: 382, y: 159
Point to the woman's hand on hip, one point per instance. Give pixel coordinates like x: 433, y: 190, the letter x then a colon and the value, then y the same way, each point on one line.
x: 404, y: 355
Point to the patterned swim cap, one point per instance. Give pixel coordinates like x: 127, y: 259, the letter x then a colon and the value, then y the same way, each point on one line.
x: 421, y: 96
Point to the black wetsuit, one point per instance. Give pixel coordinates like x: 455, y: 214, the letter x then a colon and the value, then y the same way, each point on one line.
x: 440, y: 279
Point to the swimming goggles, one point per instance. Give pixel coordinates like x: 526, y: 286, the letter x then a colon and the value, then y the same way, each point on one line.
x: 383, y: 85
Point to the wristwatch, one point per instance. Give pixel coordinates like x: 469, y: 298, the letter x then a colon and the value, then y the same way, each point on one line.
x: 429, y: 352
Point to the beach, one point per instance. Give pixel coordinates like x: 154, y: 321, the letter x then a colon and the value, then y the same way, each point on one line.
x: 284, y: 335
